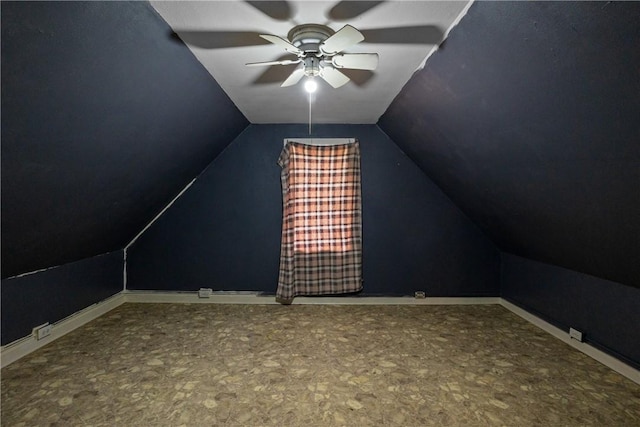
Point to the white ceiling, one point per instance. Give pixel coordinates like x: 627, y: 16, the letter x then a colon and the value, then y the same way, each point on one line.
x: 257, y: 92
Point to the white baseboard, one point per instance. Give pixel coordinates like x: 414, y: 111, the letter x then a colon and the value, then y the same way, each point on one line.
x: 154, y: 297
x: 20, y: 348
x: 602, y: 357
x: 251, y: 298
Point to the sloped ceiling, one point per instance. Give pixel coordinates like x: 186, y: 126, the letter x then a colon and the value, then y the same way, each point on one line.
x: 223, y: 35
x: 104, y: 120
x: 528, y: 118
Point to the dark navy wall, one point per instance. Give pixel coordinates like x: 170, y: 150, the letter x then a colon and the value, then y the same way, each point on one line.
x: 607, y: 313
x: 52, y: 295
x: 527, y: 118
x: 105, y: 118
x: 224, y: 232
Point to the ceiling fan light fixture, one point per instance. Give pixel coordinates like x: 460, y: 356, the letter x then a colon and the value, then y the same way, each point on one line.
x: 311, y: 66
x: 310, y: 85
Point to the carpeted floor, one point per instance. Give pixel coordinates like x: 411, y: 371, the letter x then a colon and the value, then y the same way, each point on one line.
x: 313, y: 365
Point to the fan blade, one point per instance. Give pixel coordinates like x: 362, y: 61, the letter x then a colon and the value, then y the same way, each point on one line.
x: 347, y: 9
x: 345, y: 37
x: 334, y: 77
x: 283, y: 43
x: 278, y: 10
x: 294, y: 78
x: 356, y: 61
x: 421, y: 34
x: 275, y: 74
x: 284, y: 62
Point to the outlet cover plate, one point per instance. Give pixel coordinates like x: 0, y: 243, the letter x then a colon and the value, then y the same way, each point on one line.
x: 205, y: 292
x: 42, y: 331
x: 575, y: 334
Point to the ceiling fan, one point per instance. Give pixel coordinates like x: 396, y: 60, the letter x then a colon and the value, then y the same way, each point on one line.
x: 319, y: 52
x: 315, y: 54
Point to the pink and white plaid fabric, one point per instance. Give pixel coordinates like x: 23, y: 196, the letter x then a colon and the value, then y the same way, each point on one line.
x: 322, y: 221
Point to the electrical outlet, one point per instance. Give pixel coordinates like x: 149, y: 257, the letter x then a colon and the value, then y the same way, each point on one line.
x: 42, y: 331
x: 205, y: 292
x: 575, y: 334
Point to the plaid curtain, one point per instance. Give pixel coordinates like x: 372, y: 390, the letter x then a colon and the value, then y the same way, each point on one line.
x: 321, y: 250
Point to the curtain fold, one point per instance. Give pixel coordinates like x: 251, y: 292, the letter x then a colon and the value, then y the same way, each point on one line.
x: 321, y: 252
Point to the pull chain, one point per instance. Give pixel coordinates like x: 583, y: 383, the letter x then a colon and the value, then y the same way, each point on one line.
x: 310, y: 95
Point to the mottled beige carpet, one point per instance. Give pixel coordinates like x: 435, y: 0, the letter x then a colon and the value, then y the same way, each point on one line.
x: 313, y: 365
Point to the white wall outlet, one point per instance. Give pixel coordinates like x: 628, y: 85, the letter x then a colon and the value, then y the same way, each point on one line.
x: 42, y: 331
x: 205, y: 292
x: 575, y: 334
x: 420, y: 294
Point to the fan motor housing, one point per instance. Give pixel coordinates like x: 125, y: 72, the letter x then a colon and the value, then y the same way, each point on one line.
x: 308, y: 37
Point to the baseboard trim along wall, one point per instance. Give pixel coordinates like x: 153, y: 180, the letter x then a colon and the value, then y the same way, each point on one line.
x: 254, y: 298
x: 602, y: 357
x: 20, y: 348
